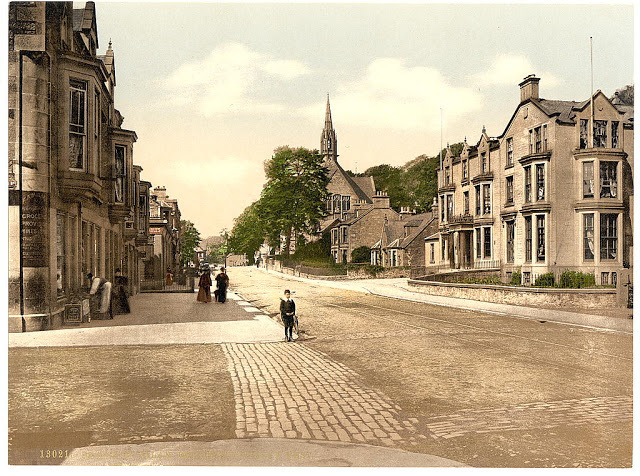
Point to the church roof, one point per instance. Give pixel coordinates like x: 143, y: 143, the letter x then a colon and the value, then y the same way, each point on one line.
x: 335, y: 168
x: 366, y: 184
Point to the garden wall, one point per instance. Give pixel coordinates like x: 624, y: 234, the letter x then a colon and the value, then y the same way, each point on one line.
x: 605, y: 298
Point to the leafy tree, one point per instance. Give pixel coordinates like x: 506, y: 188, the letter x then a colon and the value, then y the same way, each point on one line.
x: 625, y: 95
x: 190, y: 241
x: 248, y: 232
x: 218, y: 251
x: 292, y: 200
x: 362, y: 254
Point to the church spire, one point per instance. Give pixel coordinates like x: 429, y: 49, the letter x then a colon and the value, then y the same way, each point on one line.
x: 328, y: 141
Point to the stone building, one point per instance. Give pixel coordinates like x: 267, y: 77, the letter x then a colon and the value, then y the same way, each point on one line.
x: 553, y: 192
x: 164, y: 231
x: 361, y: 226
x: 345, y: 191
x: 402, y: 240
x: 74, y: 192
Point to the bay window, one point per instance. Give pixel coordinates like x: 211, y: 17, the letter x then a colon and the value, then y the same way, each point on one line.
x: 527, y: 184
x: 587, y: 180
x: 608, y: 236
x: 608, y: 179
x: 588, y: 236
x: 77, y: 124
x: 540, y: 182
x: 541, y: 250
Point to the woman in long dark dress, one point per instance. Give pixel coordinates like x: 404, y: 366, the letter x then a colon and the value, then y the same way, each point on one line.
x: 223, y: 283
x: 204, y: 291
x: 121, y: 301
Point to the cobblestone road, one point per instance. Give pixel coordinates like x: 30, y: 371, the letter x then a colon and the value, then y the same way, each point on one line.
x: 286, y: 390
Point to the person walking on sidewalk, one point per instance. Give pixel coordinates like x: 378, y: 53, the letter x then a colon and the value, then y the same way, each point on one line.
x: 287, y: 312
x: 222, y: 279
x: 120, y: 299
x: 204, y: 285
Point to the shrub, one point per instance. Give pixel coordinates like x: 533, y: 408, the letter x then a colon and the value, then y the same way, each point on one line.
x: 320, y: 249
x: 516, y: 278
x: 483, y: 280
x: 577, y: 279
x: 361, y: 254
x: 373, y: 269
x: 547, y: 280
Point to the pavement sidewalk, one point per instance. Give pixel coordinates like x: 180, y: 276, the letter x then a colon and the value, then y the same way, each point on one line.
x: 159, y: 319
x: 253, y: 452
x: 398, y: 288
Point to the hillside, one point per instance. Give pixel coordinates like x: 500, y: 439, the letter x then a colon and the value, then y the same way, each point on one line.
x: 413, y: 184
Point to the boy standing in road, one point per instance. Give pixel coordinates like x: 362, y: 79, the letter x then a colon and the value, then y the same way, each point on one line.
x: 287, y: 312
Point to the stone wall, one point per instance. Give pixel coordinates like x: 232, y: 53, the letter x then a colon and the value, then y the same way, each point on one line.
x: 604, y: 298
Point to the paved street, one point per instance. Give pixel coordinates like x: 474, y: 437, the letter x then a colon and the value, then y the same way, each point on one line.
x: 423, y: 381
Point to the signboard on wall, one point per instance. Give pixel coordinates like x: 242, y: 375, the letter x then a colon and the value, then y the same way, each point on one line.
x: 34, y: 230
x: 155, y: 230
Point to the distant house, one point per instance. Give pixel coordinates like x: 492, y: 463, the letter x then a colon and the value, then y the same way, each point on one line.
x: 402, y: 240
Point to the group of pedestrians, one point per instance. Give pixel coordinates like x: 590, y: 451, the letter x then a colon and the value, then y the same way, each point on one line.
x: 205, y: 283
x: 105, y: 300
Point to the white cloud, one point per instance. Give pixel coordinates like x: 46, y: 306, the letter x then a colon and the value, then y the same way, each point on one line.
x: 392, y: 95
x: 509, y: 70
x: 223, y: 81
x: 286, y: 69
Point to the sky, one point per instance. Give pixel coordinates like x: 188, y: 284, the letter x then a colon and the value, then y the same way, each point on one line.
x: 211, y: 89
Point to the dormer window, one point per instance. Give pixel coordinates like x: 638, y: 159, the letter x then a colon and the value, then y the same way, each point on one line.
x: 615, y: 141
x: 485, y: 162
x: 465, y: 170
x: 447, y: 176
x: 599, y: 133
x: 584, y: 133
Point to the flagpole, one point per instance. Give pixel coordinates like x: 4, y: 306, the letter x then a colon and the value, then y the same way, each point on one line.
x: 441, y: 171
x: 593, y: 124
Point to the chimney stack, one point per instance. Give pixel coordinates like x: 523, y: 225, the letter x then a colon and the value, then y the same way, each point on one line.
x: 529, y: 88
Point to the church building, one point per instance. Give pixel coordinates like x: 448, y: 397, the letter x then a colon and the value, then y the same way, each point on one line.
x: 345, y: 191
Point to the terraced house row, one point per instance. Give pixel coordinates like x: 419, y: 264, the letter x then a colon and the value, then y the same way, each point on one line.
x: 552, y: 192
x: 77, y: 203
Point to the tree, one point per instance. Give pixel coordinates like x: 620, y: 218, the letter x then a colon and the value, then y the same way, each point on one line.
x: 217, y: 252
x: 625, y: 95
x: 362, y: 254
x: 190, y: 241
x: 248, y: 232
x: 292, y: 201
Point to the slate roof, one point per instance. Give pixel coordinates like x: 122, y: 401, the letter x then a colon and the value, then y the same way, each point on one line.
x: 366, y: 184
x: 335, y: 168
x: 562, y: 109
